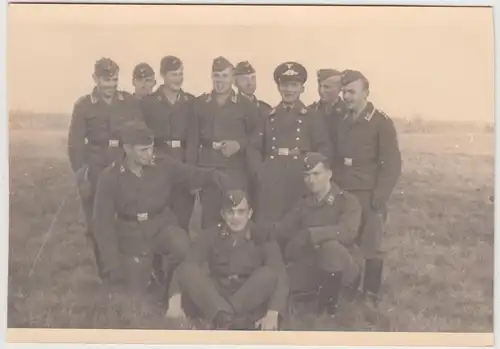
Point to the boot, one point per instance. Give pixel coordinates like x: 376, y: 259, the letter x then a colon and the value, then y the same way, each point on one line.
x: 167, y: 282
x: 329, y: 291
x: 373, y: 278
x: 222, y: 320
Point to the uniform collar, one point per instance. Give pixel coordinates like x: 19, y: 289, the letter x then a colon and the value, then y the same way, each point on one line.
x: 181, y: 96
x: 366, y: 114
x: 328, y: 199
x: 244, y: 234
x: 298, y: 107
x: 94, y: 96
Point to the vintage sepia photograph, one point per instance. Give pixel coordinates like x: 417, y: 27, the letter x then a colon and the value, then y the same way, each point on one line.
x: 251, y: 168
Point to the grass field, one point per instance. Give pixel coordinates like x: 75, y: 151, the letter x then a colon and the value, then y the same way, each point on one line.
x: 439, y: 269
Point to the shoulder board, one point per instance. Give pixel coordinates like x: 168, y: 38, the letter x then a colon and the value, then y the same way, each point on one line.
x: 383, y: 114
x: 265, y: 104
x: 188, y: 96
x: 82, y: 99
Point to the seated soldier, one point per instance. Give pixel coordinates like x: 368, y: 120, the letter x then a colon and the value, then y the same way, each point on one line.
x: 246, y: 285
x: 319, y: 235
x: 132, y: 215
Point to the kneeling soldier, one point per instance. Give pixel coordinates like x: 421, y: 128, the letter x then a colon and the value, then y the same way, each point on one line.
x: 132, y: 214
x: 246, y: 285
x: 319, y: 234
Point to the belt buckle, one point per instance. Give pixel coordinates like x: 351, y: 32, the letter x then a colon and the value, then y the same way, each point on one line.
x: 348, y: 161
x: 175, y: 144
x: 142, y: 216
x: 113, y: 143
x: 283, y: 151
x: 216, y: 145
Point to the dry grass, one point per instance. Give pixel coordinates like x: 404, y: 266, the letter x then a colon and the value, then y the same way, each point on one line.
x: 439, y: 274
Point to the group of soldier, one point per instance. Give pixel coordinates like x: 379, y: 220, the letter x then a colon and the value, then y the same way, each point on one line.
x: 293, y: 198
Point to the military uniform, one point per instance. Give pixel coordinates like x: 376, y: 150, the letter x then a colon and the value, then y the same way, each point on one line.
x: 368, y: 164
x: 283, y: 139
x: 245, y: 68
x: 332, y: 113
x: 235, y: 120
x: 132, y: 214
x: 170, y: 124
x: 244, y: 278
x: 94, y: 136
x: 319, y: 236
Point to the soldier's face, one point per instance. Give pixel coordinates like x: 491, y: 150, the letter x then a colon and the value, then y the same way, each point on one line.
x: 329, y: 89
x: 107, y: 85
x: 223, y: 80
x: 237, y: 217
x: 354, y: 94
x: 290, y: 91
x: 144, y: 86
x: 140, y: 154
x: 247, y: 83
x: 174, y: 79
x: 318, y: 178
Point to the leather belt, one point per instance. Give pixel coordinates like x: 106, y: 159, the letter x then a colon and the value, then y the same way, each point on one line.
x: 295, y: 152
x: 111, y: 143
x: 171, y: 143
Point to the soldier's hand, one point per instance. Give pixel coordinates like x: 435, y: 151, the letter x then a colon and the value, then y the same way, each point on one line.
x: 229, y: 148
x: 269, y: 322
x: 377, y: 202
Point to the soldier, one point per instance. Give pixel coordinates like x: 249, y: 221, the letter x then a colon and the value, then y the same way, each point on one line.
x: 284, y: 137
x: 330, y: 105
x: 94, y: 133
x: 319, y: 234
x: 368, y: 164
x: 245, y: 79
x: 220, y: 135
x: 168, y: 112
x: 143, y: 79
x: 246, y: 281
x: 132, y: 216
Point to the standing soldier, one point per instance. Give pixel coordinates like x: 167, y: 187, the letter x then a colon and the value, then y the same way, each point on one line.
x: 168, y: 113
x: 245, y: 79
x: 368, y: 164
x: 132, y: 214
x: 246, y: 281
x: 94, y: 133
x: 284, y: 137
x: 330, y: 105
x: 319, y: 234
x: 220, y: 136
x: 143, y: 79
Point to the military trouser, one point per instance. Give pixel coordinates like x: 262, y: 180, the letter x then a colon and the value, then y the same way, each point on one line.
x: 278, y: 186
x: 87, y: 194
x: 171, y: 241
x: 245, y: 297
x: 211, y: 197
x: 182, y: 206
x: 331, y: 256
x: 370, y: 239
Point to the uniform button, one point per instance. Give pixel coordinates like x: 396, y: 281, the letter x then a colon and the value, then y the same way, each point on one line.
x: 299, y: 121
x: 272, y: 129
x: 297, y: 139
x: 295, y: 157
x: 271, y: 157
x: 274, y: 138
x: 298, y: 130
x: 273, y: 147
x: 272, y: 119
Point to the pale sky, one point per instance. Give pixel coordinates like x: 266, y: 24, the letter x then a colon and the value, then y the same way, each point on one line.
x: 436, y: 62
